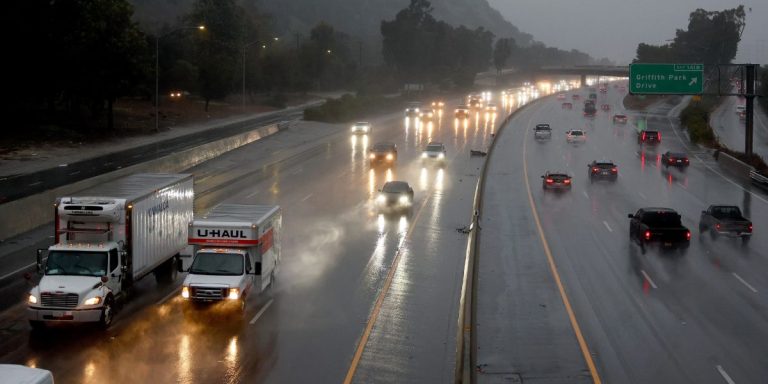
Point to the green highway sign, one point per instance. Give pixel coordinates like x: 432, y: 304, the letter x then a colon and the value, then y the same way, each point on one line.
x: 666, y: 79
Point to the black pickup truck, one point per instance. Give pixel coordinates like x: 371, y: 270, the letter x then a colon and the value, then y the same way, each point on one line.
x: 658, y: 225
x: 725, y: 220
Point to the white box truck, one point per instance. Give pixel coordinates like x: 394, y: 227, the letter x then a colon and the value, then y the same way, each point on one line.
x: 236, y: 251
x: 106, y: 238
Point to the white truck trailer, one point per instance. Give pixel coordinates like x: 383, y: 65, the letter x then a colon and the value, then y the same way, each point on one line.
x: 236, y: 251
x: 106, y: 238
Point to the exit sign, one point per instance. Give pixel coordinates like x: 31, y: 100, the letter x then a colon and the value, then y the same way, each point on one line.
x: 666, y: 79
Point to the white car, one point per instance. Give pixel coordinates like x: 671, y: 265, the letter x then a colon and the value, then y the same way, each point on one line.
x: 434, y: 152
x: 741, y: 109
x: 13, y: 373
x: 575, y: 136
x: 361, y: 128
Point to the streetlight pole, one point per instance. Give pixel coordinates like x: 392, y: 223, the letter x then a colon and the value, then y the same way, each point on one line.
x: 157, y: 71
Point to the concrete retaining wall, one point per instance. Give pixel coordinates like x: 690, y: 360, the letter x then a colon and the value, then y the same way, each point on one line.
x: 734, y: 165
x: 24, y: 214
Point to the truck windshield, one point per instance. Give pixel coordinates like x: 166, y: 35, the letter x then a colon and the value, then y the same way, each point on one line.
x: 209, y: 263
x: 77, y: 263
x: 662, y: 219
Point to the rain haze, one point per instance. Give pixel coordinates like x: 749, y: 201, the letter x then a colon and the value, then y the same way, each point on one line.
x: 613, y: 29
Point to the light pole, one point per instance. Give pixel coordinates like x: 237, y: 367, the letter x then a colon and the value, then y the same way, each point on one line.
x: 157, y: 71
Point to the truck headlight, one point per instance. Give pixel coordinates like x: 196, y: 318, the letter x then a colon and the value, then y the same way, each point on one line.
x: 185, y: 292
x: 403, y: 199
x: 372, y: 156
x: 389, y: 156
x: 424, y: 155
x: 32, y: 299
x: 92, y: 301
x: 234, y: 293
x: 441, y: 155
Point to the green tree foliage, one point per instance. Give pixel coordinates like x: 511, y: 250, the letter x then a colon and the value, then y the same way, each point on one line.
x: 502, y: 51
x: 647, y: 53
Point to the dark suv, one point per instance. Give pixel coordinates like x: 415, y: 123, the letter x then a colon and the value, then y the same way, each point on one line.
x: 648, y: 137
x: 383, y: 153
x: 603, y: 169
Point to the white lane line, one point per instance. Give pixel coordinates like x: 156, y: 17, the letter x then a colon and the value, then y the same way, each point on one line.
x: 642, y: 195
x: 607, y: 226
x: 648, y: 278
x: 585, y: 194
x: 751, y: 288
x: 253, y: 193
x: 724, y: 374
x: 16, y: 271
x: 306, y: 197
x: 169, y: 296
x: 74, y: 173
x: 36, y: 183
x: 261, y: 312
x: 297, y: 171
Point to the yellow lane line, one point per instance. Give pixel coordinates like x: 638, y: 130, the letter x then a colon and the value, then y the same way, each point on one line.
x: 380, y: 300
x: 553, y: 269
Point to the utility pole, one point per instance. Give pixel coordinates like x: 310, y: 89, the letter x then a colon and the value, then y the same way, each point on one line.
x: 750, y: 95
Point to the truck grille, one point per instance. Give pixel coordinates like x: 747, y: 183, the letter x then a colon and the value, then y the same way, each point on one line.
x: 64, y: 300
x: 202, y: 293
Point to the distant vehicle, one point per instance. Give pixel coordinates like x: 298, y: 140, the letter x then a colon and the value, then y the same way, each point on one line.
x: 395, y: 196
x: 427, y: 113
x: 575, y: 136
x: 741, y: 108
x: 476, y: 102
x: 542, y: 132
x: 658, y: 225
x: 603, y: 170
x: 725, y: 220
x: 361, y: 128
x: 603, y: 89
x: 619, y: 119
x: 556, y: 180
x: 412, y: 112
x: 236, y: 249
x: 461, y: 112
x: 438, y: 105
x: 575, y: 96
x: 605, y: 107
x: 567, y: 106
x: 648, y: 137
x: 491, y: 107
x: 383, y: 153
x: 21, y: 374
x: 561, y: 96
x: 589, y: 109
x: 434, y: 152
x: 593, y: 96
x: 106, y: 238
x: 675, y: 159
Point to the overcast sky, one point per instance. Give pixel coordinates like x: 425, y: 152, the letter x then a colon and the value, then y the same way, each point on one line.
x: 613, y: 28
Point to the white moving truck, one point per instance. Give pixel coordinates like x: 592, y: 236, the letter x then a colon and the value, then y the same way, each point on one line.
x: 236, y: 254
x: 106, y: 238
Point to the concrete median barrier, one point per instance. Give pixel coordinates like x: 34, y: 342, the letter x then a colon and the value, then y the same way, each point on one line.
x: 24, y: 214
x: 734, y: 165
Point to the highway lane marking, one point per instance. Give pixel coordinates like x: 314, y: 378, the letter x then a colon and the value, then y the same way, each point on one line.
x: 261, y: 312
x: 553, y: 268
x: 297, y: 171
x: 751, y: 288
x: 380, y: 299
x: 642, y: 195
x: 74, y: 173
x: 36, y: 183
x: 252, y: 194
x: 16, y: 271
x: 306, y: 197
x: 712, y: 169
x: 648, y: 279
x: 585, y: 194
x: 724, y: 374
x: 607, y: 226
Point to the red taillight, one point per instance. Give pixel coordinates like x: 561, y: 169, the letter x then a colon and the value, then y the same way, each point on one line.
x: 749, y: 228
x: 658, y: 136
x: 614, y: 169
x: 688, y: 235
x: 643, y: 138
x: 549, y: 181
x: 647, y: 235
x: 717, y: 226
x: 567, y: 181
x: 671, y: 159
x: 687, y: 161
x: 595, y: 169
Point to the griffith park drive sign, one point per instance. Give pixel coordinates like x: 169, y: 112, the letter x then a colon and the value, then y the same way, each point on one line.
x: 666, y: 79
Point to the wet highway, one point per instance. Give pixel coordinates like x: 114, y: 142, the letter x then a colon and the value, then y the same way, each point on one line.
x: 630, y: 317
x: 359, y: 296
x: 730, y: 129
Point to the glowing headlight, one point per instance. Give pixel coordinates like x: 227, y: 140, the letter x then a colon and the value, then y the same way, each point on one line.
x: 234, y: 294
x: 424, y: 155
x: 92, y: 301
x: 381, y: 199
x: 403, y: 200
x: 185, y: 292
x: 441, y: 155
x: 389, y: 156
x: 416, y: 109
x: 373, y: 156
x: 32, y: 299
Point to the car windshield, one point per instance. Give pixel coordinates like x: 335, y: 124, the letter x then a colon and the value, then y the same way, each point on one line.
x: 677, y: 155
x: 543, y: 127
x: 576, y: 133
x: 382, y: 147
x: 434, y: 148
x: 76, y: 263
x: 605, y: 165
x: 211, y: 263
x: 662, y: 219
x: 651, y: 133
x: 395, y: 187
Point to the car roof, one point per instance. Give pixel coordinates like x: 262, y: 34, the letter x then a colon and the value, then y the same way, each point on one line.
x: 396, y: 186
x: 557, y: 173
x: 677, y: 154
x: 362, y: 123
x: 384, y: 146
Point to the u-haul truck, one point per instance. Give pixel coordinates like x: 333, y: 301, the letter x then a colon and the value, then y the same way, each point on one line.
x: 236, y: 251
x: 106, y: 238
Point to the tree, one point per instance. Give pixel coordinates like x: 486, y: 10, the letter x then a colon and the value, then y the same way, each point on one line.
x: 501, y: 52
x: 647, y: 53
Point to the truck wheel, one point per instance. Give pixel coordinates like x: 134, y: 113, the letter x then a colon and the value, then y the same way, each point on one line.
x: 37, y: 325
x: 107, y: 314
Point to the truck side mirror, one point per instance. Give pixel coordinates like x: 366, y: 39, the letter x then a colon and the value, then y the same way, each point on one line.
x: 630, y: 216
x: 39, y: 262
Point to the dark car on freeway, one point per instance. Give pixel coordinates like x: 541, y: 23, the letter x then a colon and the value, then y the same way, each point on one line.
x: 556, y: 180
x: 603, y: 170
x: 725, y: 220
x: 661, y: 226
x: 395, y: 196
x: 619, y: 119
x: 648, y: 137
x: 542, y: 131
x: 383, y: 153
x: 675, y: 159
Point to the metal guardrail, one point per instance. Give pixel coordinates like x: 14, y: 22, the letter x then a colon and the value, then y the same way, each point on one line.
x: 758, y: 179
